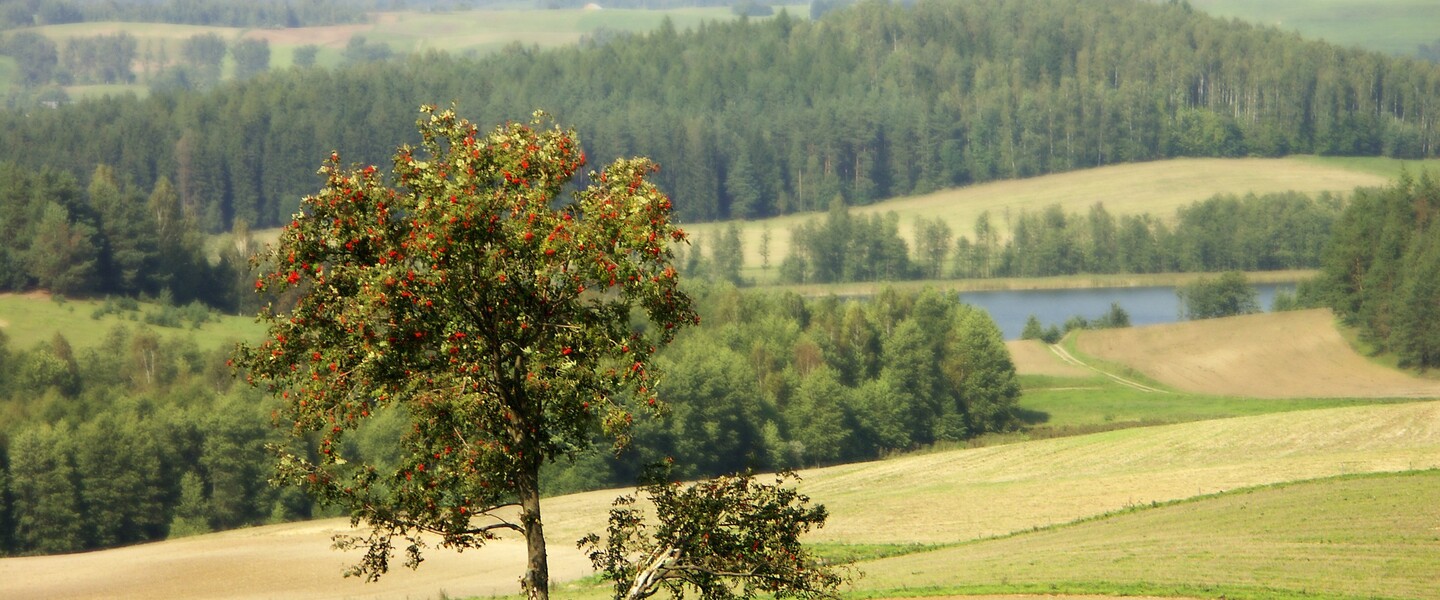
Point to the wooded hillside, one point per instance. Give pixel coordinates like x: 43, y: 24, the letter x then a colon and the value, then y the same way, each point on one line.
x: 756, y: 118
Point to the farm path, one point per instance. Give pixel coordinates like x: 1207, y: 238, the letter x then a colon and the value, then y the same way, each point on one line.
x: 1068, y: 358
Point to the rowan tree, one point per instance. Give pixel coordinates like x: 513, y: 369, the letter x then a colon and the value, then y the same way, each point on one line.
x: 508, y: 326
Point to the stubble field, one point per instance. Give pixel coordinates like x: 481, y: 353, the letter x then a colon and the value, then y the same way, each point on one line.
x: 1282, y: 355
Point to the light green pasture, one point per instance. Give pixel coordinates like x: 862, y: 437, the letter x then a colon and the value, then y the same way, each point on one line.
x: 1388, y: 26
x: 30, y: 320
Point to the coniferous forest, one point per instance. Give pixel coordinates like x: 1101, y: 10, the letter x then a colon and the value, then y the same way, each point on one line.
x: 765, y: 117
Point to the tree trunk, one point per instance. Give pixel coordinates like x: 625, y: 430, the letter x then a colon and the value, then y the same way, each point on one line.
x: 537, y: 568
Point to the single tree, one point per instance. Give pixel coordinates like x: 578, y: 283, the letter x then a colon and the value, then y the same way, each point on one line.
x: 726, y: 538
x: 1226, y: 296
x: 506, y: 326
x: 1033, y: 329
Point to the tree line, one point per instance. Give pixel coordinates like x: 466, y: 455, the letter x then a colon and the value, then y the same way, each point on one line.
x: 111, y: 237
x: 142, y: 437
x: 1276, y: 231
x: 775, y: 380
x: 1381, y: 271
x: 112, y: 58
x: 226, y: 13
x: 761, y: 117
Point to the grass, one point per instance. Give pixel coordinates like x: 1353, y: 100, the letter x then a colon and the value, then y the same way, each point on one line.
x: 1389, y: 168
x: 1387, y: 26
x: 9, y: 75
x: 1358, y: 536
x: 1065, y: 406
x: 31, y: 320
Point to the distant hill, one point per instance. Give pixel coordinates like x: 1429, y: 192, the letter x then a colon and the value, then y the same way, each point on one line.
x: 1393, y: 27
x: 758, y: 118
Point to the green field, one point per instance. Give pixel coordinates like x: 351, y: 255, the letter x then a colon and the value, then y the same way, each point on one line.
x: 1363, y: 536
x: 1065, y: 405
x: 1388, y: 26
x: 28, y: 320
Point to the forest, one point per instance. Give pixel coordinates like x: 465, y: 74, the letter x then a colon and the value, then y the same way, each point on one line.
x: 763, y: 117
x: 1381, y: 270
x: 144, y: 437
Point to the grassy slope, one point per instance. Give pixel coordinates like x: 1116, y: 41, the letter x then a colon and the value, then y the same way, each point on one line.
x: 1355, y: 535
x: 1388, y: 26
x: 29, y: 320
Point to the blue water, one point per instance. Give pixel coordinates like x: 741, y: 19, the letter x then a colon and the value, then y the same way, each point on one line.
x: 1146, y: 305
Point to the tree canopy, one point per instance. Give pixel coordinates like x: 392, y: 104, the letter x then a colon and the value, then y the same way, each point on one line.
x: 762, y: 117
x: 466, y: 297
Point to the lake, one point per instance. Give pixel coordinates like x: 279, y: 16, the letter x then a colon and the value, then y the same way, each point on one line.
x: 1146, y: 305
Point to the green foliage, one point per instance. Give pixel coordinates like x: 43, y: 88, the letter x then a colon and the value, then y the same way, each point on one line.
x: 495, y: 317
x: 727, y: 538
x: 1228, y: 295
x: 844, y: 247
x: 36, y: 55
x: 255, y: 13
x: 1254, y: 233
x: 1114, y: 318
x: 191, y: 512
x: 99, y: 59
x: 1033, y: 329
x: 45, y: 499
x: 847, y: 109
x: 108, y: 238
x: 1381, y: 266
x: 776, y: 381
x: 108, y: 436
x: 252, y: 57
x: 729, y: 254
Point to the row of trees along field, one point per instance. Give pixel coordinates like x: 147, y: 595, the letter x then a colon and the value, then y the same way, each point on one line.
x: 110, y: 237
x: 252, y: 13
x: 764, y: 117
x: 146, y: 436
x: 1251, y: 233
x: 1382, y: 270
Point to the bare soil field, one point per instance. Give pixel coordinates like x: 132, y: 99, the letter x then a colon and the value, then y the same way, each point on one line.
x: 1279, y: 355
x: 282, y: 561
x: 1034, y: 357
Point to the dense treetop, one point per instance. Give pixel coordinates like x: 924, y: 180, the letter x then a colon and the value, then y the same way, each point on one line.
x: 755, y: 118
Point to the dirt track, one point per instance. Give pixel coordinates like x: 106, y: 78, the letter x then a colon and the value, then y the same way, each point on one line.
x: 1033, y: 357
x: 1283, y: 355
